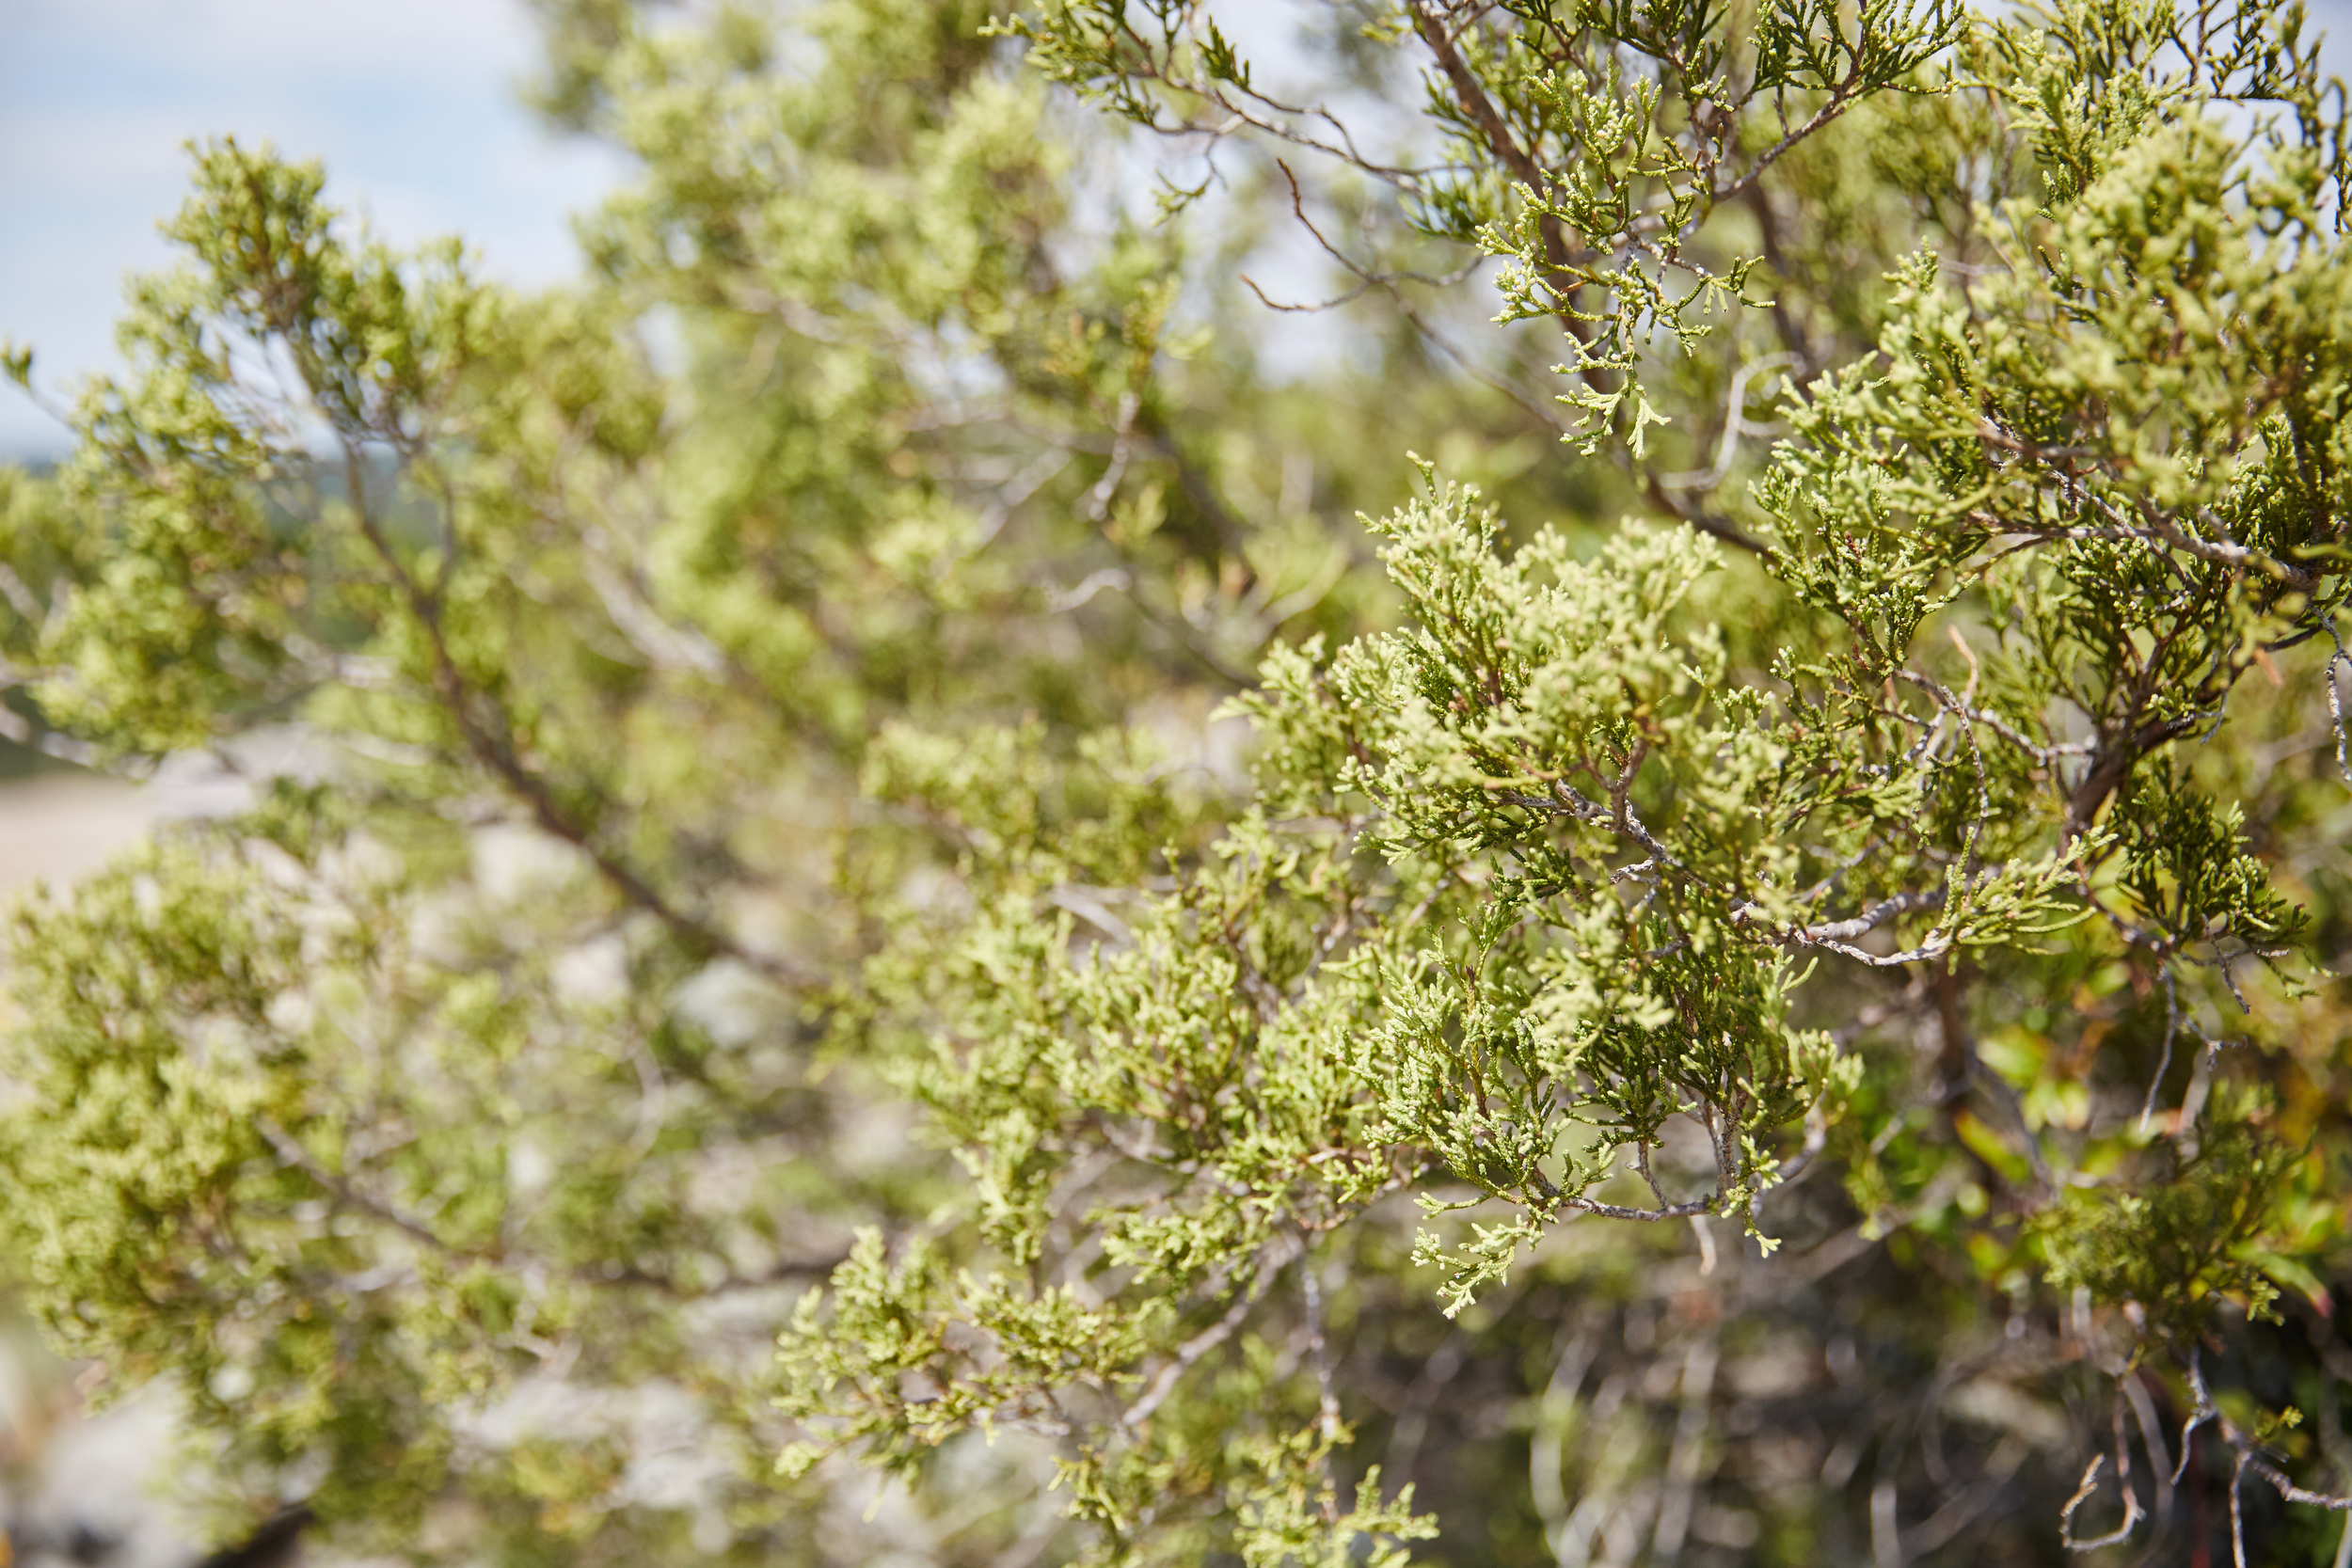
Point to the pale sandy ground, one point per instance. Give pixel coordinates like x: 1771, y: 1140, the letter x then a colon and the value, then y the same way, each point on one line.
x: 77, y: 1489
x: 60, y: 828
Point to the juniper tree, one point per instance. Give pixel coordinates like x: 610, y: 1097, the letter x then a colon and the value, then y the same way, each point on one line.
x: 1831, y: 969
x: 587, y: 658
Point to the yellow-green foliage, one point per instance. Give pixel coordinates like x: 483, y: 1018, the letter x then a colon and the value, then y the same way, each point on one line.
x: 772, y: 850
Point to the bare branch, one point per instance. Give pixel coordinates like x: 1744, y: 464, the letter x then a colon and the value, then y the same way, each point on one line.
x: 1271, y: 1262
x: 2133, y: 1513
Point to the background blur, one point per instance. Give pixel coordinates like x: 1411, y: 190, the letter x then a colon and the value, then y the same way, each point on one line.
x: 412, y: 105
x: 414, y: 108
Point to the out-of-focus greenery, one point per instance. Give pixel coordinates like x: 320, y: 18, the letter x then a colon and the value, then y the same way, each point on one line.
x: 924, y: 916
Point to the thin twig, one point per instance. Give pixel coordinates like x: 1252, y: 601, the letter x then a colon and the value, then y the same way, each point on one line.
x: 1270, y: 1263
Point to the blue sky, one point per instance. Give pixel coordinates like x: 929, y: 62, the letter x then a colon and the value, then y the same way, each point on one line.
x: 410, y: 102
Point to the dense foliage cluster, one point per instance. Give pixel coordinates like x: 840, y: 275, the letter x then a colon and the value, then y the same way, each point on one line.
x: 905, y: 904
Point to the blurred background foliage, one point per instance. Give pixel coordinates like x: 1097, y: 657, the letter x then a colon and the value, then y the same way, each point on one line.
x: 642, y: 691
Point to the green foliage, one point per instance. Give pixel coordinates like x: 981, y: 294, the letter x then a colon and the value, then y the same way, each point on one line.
x: 2179, y: 1238
x: 770, y: 847
x: 1586, y: 145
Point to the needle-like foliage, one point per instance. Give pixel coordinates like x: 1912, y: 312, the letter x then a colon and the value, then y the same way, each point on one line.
x: 1033, y: 947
